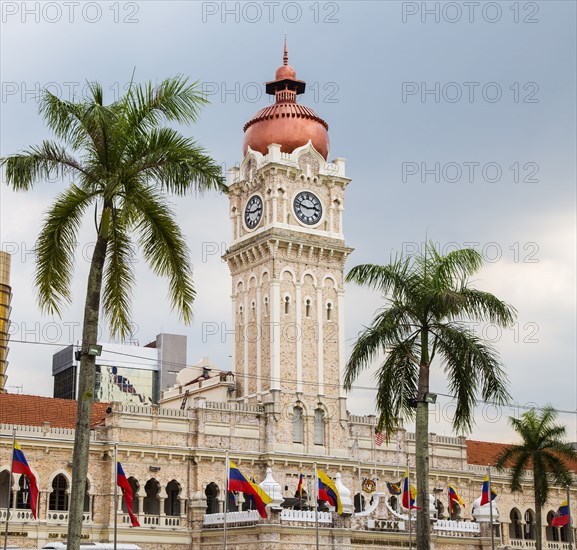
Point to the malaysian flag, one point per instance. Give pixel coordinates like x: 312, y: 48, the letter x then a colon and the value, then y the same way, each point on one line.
x: 379, y: 438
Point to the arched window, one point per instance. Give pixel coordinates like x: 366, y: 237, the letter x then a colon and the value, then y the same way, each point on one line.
x: 551, y: 533
x: 394, y: 503
x: 265, y: 306
x: 529, y: 532
x: 297, y: 425
x: 87, y: 499
x: 307, y: 307
x: 151, y: 504
x: 319, y: 427
x: 329, y: 311
x: 240, y: 317
x: 253, y: 311
x: 287, y: 302
x: 59, y: 497
x: 172, y: 502
x: 211, y: 493
x: 359, y: 502
x: 135, y: 486
x: 515, y: 528
x: 5, y: 490
x: 455, y: 514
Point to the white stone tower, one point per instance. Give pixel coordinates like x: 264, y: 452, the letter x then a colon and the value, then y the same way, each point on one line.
x: 286, y: 258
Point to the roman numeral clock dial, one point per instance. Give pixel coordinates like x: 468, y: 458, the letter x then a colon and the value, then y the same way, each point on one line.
x: 308, y: 207
x: 253, y: 211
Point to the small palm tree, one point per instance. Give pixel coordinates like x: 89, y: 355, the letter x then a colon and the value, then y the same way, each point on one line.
x: 123, y: 161
x: 544, y: 451
x: 428, y: 301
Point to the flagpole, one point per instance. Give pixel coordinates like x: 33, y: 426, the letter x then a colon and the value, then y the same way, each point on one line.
x: 491, y: 508
x: 409, y: 501
x: 360, y: 489
x: 570, y: 519
x: 115, y: 495
x: 316, y: 504
x: 449, y: 501
x: 10, y: 490
x: 226, y: 477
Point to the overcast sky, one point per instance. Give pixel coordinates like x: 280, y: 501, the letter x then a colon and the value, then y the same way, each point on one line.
x: 457, y: 120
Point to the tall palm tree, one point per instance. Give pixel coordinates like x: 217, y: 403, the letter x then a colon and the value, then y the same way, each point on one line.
x: 123, y: 160
x: 542, y: 449
x: 428, y: 300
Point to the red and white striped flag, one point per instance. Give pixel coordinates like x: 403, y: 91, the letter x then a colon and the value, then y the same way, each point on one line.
x: 379, y: 438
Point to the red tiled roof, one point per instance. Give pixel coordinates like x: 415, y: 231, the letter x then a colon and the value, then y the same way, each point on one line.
x: 485, y: 452
x: 33, y: 410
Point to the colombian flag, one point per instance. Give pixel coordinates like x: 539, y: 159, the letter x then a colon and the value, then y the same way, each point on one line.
x: 485, y: 493
x: 328, y: 491
x: 300, y: 486
x: 237, y: 482
x: 122, y: 482
x: 20, y: 466
x: 454, y: 497
x: 409, y: 494
x: 562, y: 516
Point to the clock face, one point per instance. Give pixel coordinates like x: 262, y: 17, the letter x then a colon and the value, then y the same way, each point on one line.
x: 308, y: 208
x: 253, y: 211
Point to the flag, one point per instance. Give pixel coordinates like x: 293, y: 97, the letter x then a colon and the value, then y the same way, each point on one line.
x: 562, y: 516
x: 328, y: 491
x: 122, y: 482
x: 409, y: 494
x: 379, y: 438
x: 300, y: 486
x: 454, y: 497
x: 394, y: 488
x: 485, y: 493
x: 237, y: 482
x: 20, y: 466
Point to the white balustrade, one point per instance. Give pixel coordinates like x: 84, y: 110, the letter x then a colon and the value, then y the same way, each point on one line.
x: 246, y: 516
x: 58, y: 516
x: 305, y: 515
x: 451, y: 528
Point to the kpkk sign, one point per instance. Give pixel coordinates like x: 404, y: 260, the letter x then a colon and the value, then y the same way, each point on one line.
x: 386, y: 525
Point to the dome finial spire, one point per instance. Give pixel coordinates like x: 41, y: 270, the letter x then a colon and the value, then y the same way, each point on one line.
x: 285, y: 54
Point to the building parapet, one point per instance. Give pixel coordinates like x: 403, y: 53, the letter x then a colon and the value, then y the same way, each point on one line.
x: 306, y: 515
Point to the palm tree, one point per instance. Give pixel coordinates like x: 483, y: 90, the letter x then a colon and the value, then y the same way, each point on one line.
x: 543, y: 450
x: 427, y: 302
x: 123, y: 160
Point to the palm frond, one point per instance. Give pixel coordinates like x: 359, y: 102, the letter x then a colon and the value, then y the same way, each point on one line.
x: 397, y: 382
x: 175, y: 163
x: 55, y: 248
x: 119, y: 278
x: 45, y: 161
x: 164, y: 247
x: 484, y: 306
x: 469, y: 364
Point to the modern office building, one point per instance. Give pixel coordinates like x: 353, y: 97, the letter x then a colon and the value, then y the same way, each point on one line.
x: 129, y: 374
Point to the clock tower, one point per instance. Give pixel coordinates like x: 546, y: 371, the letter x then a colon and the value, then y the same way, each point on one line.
x: 286, y: 259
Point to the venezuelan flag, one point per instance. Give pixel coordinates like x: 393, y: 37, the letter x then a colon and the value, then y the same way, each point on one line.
x: 127, y: 495
x: 454, y: 497
x: 20, y: 466
x: 409, y: 494
x: 237, y: 482
x: 562, y: 516
x: 485, y: 493
x: 328, y: 491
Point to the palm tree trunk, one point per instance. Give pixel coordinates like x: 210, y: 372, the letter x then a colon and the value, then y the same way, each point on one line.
x: 85, y: 394
x: 422, y: 448
x: 538, y: 534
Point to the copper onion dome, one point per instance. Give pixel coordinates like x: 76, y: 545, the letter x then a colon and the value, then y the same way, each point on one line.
x: 286, y: 122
